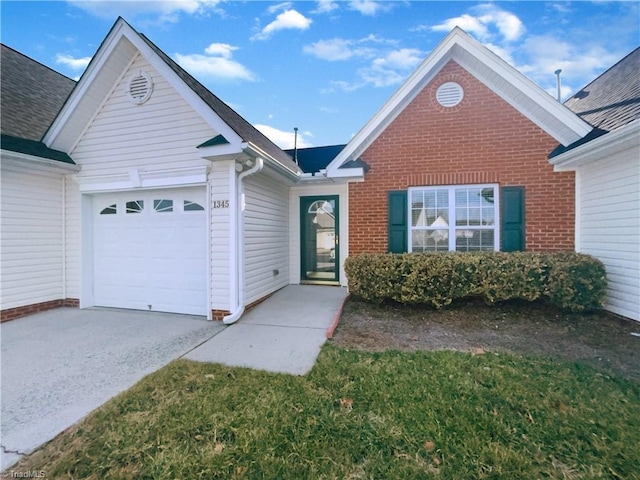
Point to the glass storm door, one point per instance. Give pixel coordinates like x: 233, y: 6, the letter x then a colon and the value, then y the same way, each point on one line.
x: 319, y: 238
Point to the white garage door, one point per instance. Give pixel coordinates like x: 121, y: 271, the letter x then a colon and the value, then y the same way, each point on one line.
x: 150, y: 250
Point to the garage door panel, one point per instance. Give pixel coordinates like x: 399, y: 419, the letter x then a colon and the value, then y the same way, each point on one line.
x: 151, y: 257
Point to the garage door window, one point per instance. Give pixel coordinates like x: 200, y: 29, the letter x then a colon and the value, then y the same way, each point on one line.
x: 110, y: 210
x: 135, y: 207
x: 163, y: 206
x: 192, y: 206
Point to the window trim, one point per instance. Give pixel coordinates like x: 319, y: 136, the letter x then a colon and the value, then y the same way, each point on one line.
x: 452, y: 212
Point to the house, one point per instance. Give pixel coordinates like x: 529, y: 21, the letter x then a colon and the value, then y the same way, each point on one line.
x: 607, y: 169
x: 153, y: 194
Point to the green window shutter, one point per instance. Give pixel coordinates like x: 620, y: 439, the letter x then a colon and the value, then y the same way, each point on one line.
x: 512, y: 219
x: 397, y: 228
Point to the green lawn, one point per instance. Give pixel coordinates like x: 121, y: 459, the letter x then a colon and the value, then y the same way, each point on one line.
x: 359, y: 415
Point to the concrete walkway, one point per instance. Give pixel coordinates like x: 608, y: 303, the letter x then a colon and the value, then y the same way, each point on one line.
x: 58, y: 366
x: 283, y: 334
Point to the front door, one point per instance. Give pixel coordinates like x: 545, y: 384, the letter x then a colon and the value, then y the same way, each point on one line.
x: 319, y: 238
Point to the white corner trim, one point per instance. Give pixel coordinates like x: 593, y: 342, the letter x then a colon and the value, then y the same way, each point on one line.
x: 600, y: 148
x: 173, y: 177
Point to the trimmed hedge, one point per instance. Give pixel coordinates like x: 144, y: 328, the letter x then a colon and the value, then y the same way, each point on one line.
x: 571, y: 281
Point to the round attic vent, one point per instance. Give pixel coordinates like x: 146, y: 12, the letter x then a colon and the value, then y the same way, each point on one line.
x: 449, y: 94
x: 140, y: 87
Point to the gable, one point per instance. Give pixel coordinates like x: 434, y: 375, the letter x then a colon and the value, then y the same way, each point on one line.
x: 501, y: 78
x: 160, y: 133
x: 117, y: 51
x: 483, y: 129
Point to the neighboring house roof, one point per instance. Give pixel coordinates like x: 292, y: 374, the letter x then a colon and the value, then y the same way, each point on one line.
x: 32, y: 95
x: 609, y: 102
x: 314, y: 159
x: 612, y: 99
x: 503, y: 79
x: 120, y: 45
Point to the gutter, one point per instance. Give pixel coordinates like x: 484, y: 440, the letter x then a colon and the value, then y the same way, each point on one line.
x: 237, y: 244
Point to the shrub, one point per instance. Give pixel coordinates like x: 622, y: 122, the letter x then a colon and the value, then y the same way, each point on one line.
x: 572, y: 281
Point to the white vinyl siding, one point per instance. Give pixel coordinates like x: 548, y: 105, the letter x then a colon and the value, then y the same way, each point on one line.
x: 266, y: 237
x: 160, y: 134
x: 609, y: 225
x: 31, y: 225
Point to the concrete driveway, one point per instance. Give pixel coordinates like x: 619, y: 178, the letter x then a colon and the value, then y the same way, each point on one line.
x: 58, y: 366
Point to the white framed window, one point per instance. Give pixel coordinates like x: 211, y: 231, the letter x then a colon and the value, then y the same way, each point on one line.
x: 461, y: 218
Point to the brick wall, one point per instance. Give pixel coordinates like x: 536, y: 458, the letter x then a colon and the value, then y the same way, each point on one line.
x: 13, y: 313
x: 481, y: 140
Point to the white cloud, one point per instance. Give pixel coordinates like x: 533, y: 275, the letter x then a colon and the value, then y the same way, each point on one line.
x: 545, y: 54
x: 289, y: 19
x: 167, y: 11
x: 466, y: 22
x: 220, y: 49
x: 486, y: 22
x: 284, y: 139
x: 71, y: 62
x: 403, y: 59
x: 279, y: 7
x: 216, y: 64
x: 369, y: 7
x: 336, y: 49
x: 326, y: 6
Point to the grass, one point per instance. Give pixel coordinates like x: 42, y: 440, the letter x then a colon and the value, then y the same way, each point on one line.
x: 358, y: 415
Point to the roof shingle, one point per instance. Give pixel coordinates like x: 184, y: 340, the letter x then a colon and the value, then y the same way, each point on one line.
x: 32, y: 95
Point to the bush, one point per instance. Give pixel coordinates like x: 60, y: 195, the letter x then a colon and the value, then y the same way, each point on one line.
x: 572, y: 281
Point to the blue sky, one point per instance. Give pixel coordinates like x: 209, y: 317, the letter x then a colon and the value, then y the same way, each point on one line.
x: 326, y: 67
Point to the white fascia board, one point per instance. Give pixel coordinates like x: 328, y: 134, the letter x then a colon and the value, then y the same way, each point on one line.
x: 600, y: 148
x: 355, y: 173
x: 395, y: 104
x: 122, y: 29
x: 145, y: 179
x: 529, y: 89
x: 95, y: 65
x: 256, y: 152
x: 448, y: 49
x: 45, y: 164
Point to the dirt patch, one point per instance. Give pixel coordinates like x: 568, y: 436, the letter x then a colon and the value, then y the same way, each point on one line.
x: 599, y: 339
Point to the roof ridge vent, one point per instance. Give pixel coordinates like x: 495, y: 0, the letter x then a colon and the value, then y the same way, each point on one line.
x: 140, y: 87
x: 449, y: 94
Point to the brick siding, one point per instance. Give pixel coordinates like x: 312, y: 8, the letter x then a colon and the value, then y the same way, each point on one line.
x: 13, y: 313
x: 481, y: 140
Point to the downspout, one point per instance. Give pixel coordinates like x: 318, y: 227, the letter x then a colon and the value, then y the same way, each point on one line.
x: 64, y: 239
x: 238, y: 309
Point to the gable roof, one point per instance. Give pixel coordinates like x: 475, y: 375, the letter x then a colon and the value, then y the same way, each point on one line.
x: 503, y: 79
x: 115, y: 53
x: 32, y: 95
x: 613, y: 99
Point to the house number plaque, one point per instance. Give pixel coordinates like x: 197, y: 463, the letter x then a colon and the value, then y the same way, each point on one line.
x: 221, y: 204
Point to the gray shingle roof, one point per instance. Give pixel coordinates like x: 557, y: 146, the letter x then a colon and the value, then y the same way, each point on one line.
x: 609, y: 102
x: 244, y: 129
x: 613, y: 99
x: 32, y: 95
